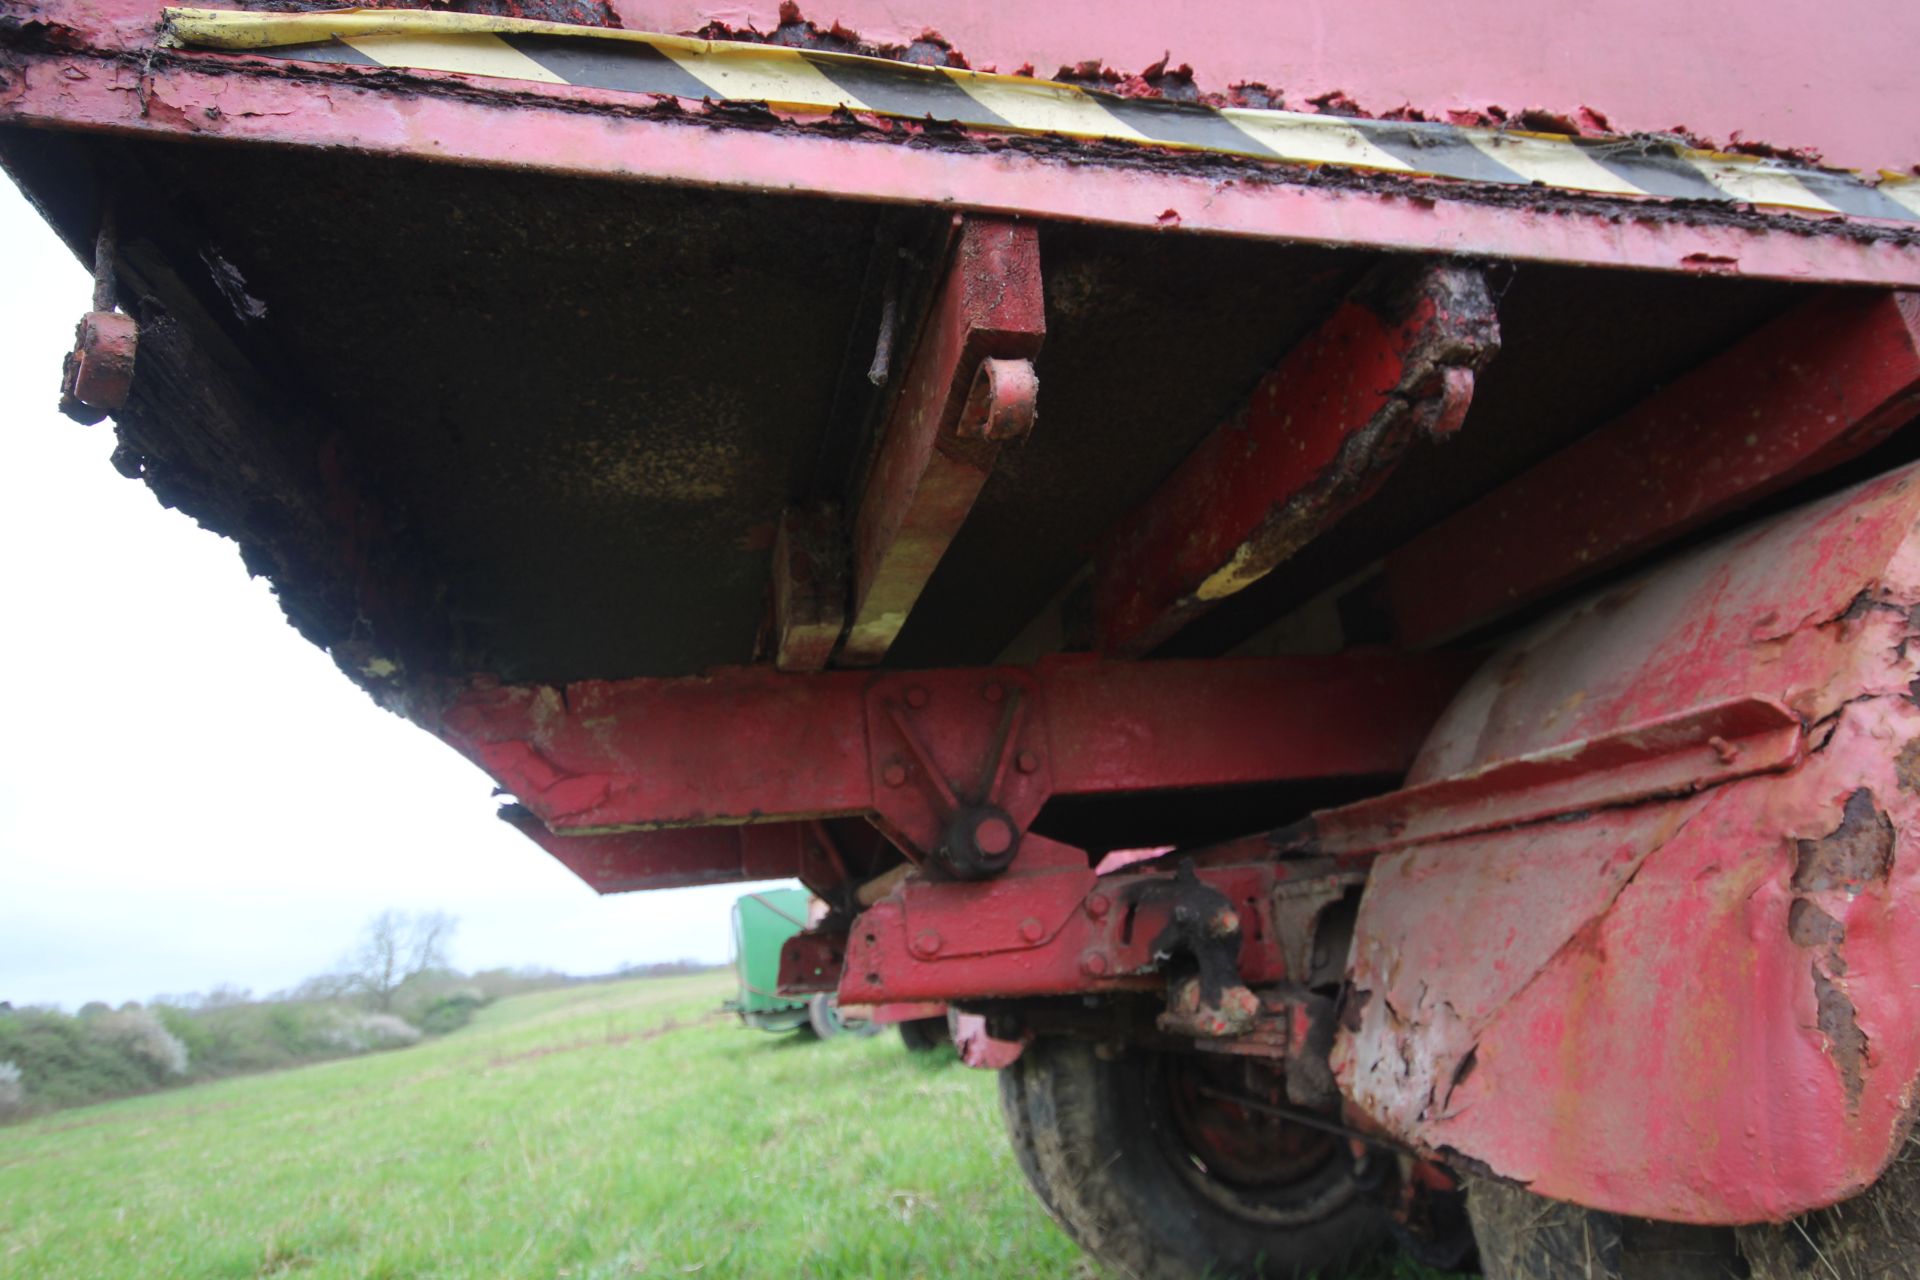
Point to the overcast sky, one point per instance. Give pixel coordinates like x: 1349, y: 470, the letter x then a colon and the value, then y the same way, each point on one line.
x: 190, y: 794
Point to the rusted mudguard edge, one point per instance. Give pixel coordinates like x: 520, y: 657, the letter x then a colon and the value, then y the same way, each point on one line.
x: 1701, y: 1008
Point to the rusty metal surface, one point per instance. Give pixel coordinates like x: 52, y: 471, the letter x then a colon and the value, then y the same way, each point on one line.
x: 632, y: 861
x: 566, y: 431
x: 1695, y: 1009
x: 1578, y: 349
x: 99, y: 371
x: 1320, y: 432
x: 938, y: 447
x: 1780, y: 81
x: 1776, y: 75
x: 1815, y: 387
x: 913, y: 749
x: 581, y: 131
x: 809, y: 587
x: 551, y: 544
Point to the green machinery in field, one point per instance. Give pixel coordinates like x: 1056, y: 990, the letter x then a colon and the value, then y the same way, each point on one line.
x: 762, y: 922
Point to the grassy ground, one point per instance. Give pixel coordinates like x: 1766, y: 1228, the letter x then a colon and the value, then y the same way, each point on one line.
x: 605, y: 1131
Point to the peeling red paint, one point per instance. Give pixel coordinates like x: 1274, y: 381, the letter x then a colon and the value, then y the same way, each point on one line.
x: 1407, y: 61
x: 605, y: 134
x: 1693, y: 1010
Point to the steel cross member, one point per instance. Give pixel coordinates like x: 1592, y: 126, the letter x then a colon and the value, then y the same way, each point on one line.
x: 678, y: 780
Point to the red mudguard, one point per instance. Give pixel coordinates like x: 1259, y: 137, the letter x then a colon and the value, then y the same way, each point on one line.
x: 1701, y: 1005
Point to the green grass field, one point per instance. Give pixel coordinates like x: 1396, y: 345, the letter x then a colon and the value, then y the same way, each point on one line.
x: 616, y: 1130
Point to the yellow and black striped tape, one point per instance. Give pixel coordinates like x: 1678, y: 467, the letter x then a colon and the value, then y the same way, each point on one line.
x: 813, y: 80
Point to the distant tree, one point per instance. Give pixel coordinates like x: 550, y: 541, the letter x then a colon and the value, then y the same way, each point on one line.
x: 226, y: 996
x: 395, y: 946
x: 320, y: 987
x: 13, y: 1091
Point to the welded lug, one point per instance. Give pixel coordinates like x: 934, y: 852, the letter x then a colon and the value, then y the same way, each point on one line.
x: 811, y: 962
x: 1002, y: 403
x: 98, y: 374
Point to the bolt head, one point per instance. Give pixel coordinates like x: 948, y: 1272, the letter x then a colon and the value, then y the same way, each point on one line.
x: 993, y: 835
x: 1031, y: 929
x: 1098, y: 904
x: 916, y: 697
x: 1095, y: 964
x: 894, y: 775
x: 1027, y: 762
x: 993, y: 692
x: 926, y: 942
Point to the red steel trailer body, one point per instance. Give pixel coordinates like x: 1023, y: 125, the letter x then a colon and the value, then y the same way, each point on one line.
x: 986, y: 460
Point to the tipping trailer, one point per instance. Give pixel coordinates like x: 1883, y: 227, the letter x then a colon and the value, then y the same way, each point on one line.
x: 976, y: 463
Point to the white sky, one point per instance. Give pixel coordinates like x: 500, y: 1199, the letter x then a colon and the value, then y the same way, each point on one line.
x: 190, y: 793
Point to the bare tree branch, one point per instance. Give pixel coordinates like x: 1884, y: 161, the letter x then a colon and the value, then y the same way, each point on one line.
x: 395, y: 946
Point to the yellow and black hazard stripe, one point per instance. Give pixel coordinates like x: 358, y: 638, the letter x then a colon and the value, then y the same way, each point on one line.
x: 814, y: 80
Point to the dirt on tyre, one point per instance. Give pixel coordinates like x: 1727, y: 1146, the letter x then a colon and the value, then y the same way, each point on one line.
x: 1523, y: 1236
x: 1149, y: 1163
x: 1875, y: 1236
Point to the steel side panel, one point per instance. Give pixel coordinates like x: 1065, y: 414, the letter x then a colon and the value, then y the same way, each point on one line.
x: 1770, y: 72
x: 1727, y: 71
x: 585, y: 133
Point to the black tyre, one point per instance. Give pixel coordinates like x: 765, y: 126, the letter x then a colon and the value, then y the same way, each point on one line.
x: 924, y: 1035
x: 1147, y: 1163
x: 1874, y: 1236
x: 823, y: 1015
x: 1527, y: 1237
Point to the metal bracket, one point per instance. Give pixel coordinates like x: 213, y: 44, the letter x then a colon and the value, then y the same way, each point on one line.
x: 960, y: 764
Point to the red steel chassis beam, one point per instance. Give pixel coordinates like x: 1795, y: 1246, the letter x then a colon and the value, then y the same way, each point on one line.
x: 1051, y: 926
x: 1819, y: 385
x: 612, y: 762
x: 969, y: 386
x: 1319, y: 434
x: 112, y: 79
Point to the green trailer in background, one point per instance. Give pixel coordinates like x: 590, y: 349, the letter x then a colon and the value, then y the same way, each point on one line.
x: 762, y: 922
